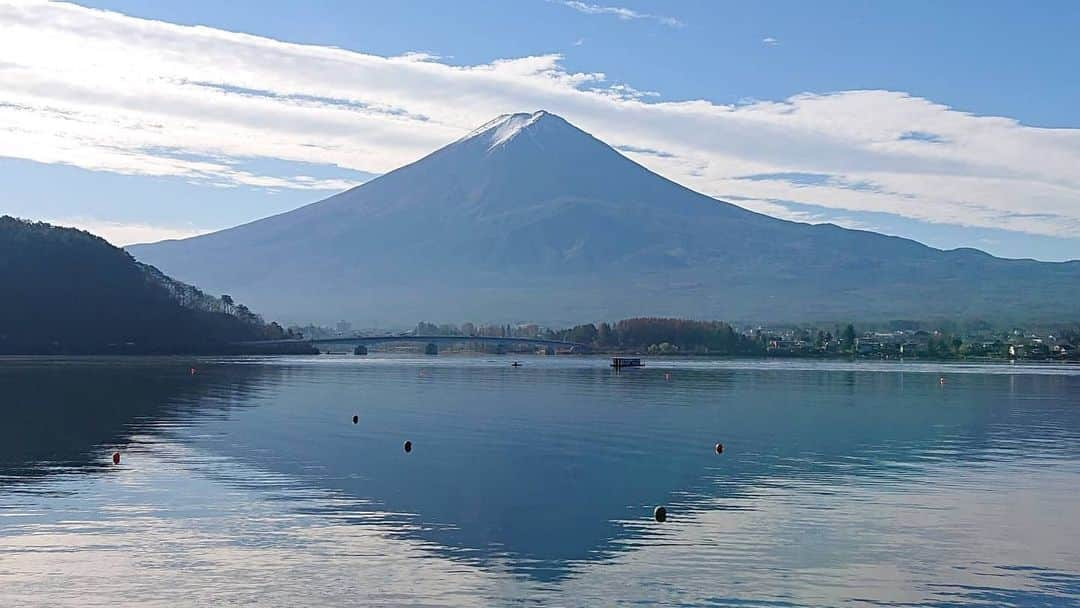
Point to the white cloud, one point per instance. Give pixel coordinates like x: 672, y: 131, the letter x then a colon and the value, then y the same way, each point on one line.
x: 107, y: 92
x: 622, y: 13
x: 770, y: 41
x: 122, y: 234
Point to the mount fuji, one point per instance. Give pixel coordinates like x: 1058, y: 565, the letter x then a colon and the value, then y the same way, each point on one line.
x: 529, y: 218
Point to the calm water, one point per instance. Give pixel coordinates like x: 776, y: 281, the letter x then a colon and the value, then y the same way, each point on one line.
x: 247, y: 483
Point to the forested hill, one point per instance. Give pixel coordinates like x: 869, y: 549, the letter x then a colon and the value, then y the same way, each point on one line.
x: 66, y: 291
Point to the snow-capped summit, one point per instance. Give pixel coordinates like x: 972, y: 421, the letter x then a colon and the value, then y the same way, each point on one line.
x: 507, y: 126
x: 529, y: 218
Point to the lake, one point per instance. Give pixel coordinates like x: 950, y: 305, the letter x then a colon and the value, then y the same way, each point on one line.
x: 246, y: 482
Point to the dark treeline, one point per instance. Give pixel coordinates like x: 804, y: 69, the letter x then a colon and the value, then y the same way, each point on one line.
x: 658, y: 335
x: 476, y: 329
x: 938, y: 340
x: 66, y: 291
x: 662, y: 335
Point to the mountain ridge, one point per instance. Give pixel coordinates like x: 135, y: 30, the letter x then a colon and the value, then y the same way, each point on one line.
x: 529, y: 208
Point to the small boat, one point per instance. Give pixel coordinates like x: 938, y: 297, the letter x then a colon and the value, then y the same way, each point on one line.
x: 516, y: 364
x: 620, y: 362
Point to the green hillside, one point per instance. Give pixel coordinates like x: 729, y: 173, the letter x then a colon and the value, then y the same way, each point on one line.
x: 66, y: 291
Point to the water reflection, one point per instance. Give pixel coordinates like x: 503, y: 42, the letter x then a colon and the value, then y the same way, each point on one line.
x: 836, y: 485
x: 59, y: 414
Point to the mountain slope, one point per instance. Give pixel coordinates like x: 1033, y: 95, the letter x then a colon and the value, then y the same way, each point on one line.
x: 530, y: 218
x: 69, y: 292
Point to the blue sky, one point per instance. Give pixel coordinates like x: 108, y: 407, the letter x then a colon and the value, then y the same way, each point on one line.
x: 952, y: 123
x: 997, y: 58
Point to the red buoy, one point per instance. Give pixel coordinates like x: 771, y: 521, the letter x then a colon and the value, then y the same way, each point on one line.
x: 408, y: 447
x: 719, y: 448
x: 116, y: 458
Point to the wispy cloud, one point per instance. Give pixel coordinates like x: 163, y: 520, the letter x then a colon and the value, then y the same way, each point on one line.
x: 770, y: 41
x: 640, y: 150
x: 623, y: 13
x: 107, y: 92
x: 122, y: 234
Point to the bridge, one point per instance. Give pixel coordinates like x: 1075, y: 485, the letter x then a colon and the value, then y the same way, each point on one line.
x: 365, y: 341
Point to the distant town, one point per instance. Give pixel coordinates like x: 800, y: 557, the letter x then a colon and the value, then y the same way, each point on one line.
x: 679, y: 337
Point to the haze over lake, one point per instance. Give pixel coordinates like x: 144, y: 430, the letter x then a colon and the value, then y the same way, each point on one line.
x: 841, y: 483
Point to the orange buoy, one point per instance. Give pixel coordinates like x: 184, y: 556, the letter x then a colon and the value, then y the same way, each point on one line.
x: 719, y: 448
x: 408, y: 447
x: 659, y: 514
x: 355, y: 419
x: 116, y: 458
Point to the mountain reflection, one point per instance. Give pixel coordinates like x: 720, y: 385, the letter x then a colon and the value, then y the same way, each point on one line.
x: 540, y: 470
